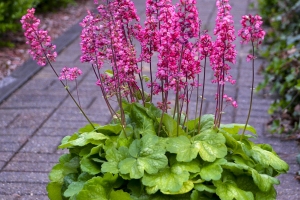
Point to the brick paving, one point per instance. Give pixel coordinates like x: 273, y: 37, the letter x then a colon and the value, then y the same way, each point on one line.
x: 39, y: 114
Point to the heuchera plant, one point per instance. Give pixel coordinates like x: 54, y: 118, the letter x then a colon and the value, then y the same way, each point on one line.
x: 154, y: 148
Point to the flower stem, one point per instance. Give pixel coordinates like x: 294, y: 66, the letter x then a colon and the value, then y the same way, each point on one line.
x: 252, y: 89
x: 202, y: 96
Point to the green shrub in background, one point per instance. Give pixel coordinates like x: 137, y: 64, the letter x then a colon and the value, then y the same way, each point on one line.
x: 282, y: 74
x: 10, y: 14
x: 50, y: 5
x: 12, y: 11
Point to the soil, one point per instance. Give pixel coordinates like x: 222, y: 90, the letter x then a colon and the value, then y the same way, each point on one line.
x: 56, y: 23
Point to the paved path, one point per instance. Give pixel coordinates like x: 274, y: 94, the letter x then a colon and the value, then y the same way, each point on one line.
x: 35, y: 117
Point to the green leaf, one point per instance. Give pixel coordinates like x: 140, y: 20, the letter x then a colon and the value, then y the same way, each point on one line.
x: 140, y: 120
x: 170, y: 126
x: 263, y: 181
x: 97, y: 188
x: 146, y: 78
x: 269, y: 195
x: 114, y: 157
x: 192, y: 166
x: 109, y: 72
x: 84, y: 139
x: 67, y: 165
x: 183, y: 147
x: 153, y: 111
x: 186, y: 187
x: 88, y: 128
x: 75, y: 187
x: 208, y: 188
x: 89, y: 166
x: 212, y: 171
x: 211, y: 145
x: 235, y: 128
x: 207, y: 122
x: 110, y: 129
x: 172, y: 174
x: 237, y: 169
x: 229, y: 191
x: 54, y: 191
x: 245, y: 182
x: 195, y: 195
x: 119, y: 195
x: 136, y: 187
x: 167, y: 180
x: 146, y: 154
x: 268, y: 158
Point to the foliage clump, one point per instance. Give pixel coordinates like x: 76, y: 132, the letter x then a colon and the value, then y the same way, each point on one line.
x: 218, y: 163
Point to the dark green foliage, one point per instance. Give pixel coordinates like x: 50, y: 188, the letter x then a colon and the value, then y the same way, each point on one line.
x: 283, y: 55
x: 12, y: 11
x: 50, y: 5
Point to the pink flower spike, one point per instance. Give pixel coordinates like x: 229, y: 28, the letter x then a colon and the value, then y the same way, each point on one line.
x: 41, y: 48
x: 251, y: 29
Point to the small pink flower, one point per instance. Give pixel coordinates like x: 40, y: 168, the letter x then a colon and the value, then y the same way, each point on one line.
x: 250, y: 57
x: 234, y: 104
x: 69, y: 73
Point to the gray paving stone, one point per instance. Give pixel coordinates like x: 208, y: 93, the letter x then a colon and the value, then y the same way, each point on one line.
x: 9, y: 138
x: 9, y: 146
x: 30, y: 118
x: 20, y: 189
x: 65, y: 124
x: 5, y: 156
x: 56, y: 131
x: 6, y: 117
x: 2, y: 163
x: 23, y: 197
x: 29, y: 166
x: 288, y: 193
x: 16, y: 131
x: 28, y: 177
x: 35, y: 157
x: 42, y: 144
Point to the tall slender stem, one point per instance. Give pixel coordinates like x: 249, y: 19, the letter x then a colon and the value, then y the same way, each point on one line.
x: 252, y: 89
x: 202, y: 95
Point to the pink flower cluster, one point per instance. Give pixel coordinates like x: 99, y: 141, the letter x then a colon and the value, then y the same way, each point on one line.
x: 148, y: 37
x: 251, y: 29
x: 107, y: 37
x: 69, y: 73
x: 223, y: 48
x: 205, y: 46
x: 176, y: 53
x: 41, y: 47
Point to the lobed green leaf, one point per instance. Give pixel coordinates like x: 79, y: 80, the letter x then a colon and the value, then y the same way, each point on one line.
x: 211, y: 145
x: 228, y: 190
